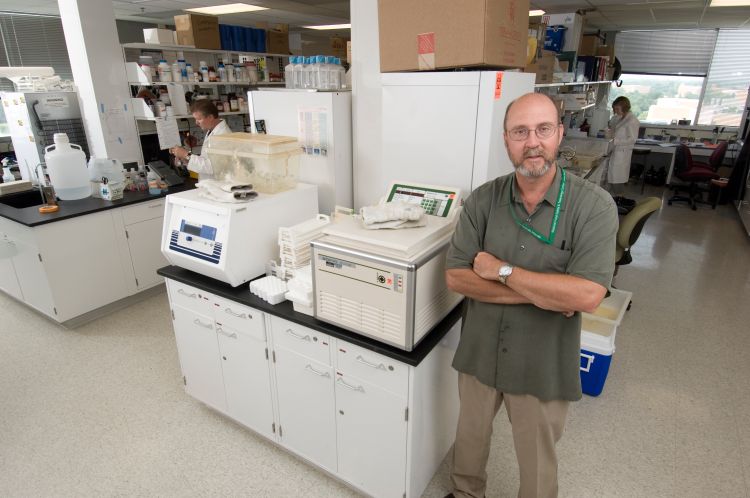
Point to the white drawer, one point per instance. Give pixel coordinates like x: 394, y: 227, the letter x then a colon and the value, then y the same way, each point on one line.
x: 191, y: 298
x: 301, y: 340
x: 239, y: 317
x: 144, y: 211
x: 372, y: 367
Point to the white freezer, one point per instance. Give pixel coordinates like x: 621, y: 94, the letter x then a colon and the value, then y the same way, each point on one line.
x: 444, y: 128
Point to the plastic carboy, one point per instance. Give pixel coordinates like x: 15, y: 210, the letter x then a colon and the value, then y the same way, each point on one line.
x: 66, y: 167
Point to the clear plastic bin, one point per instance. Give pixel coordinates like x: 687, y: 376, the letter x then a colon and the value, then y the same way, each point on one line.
x: 269, y: 162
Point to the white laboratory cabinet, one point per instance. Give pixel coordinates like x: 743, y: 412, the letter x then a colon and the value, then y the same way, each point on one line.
x: 444, y: 128
x: 322, y: 121
x: 69, y: 268
x: 380, y: 425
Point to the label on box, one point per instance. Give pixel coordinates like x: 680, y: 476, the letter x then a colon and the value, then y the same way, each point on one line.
x: 498, y: 85
x: 426, y: 51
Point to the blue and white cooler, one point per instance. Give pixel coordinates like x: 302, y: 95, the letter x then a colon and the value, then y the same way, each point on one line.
x: 598, y: 332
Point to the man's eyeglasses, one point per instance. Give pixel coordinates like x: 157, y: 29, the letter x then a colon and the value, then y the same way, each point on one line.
x: 545, y: 130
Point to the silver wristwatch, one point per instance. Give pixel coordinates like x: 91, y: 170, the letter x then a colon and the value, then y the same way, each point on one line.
x: 504, y: 272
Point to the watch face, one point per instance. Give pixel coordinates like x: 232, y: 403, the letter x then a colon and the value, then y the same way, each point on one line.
x: 506, y: 270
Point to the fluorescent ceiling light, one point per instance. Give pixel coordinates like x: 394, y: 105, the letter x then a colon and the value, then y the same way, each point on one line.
x: 533, y: 13
x: 730, y: 3
x: 232, y: 8
x: 330, y: 26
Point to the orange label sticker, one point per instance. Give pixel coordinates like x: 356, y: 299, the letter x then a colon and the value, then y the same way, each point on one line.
x: 498, y: 85
x: 426, y: 51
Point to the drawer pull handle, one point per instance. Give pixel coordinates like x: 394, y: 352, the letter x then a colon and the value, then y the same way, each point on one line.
x: 156, y: 205
x: 349, y: 386
x: 192, y: 296
x: 298, y: 336
x: 238, y: 315
x: 379, y: 366
x: 225, y: 333
x: 204, y: 325
x: 321, y: 374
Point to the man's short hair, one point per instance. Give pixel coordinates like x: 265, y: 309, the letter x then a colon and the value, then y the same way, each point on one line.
x: 205, y: 107
x: 507, y: 109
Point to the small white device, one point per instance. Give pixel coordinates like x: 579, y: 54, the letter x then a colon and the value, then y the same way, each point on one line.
x: 388, y: 284
x: 231, y: 242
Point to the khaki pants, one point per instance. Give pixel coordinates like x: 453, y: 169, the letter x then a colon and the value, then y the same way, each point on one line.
x: 536, y: 425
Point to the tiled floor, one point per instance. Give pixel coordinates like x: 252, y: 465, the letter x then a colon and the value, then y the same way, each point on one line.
x: 99, y: 411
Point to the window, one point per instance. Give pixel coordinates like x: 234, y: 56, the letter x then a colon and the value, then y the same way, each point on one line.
x: 728, y: 80
x: 660, y: 99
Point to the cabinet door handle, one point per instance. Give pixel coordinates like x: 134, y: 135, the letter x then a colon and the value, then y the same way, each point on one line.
x: 379, y: 366
x: 204, y: 325
x: 156, y: 205
x: 192, y: 296
x: 316, y: 372
x: 298, y: 336
x: 238, y: 315
x: 225, y: 333
x: 349, y: 386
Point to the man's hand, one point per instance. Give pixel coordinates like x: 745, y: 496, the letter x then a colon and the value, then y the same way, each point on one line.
x: 487, y: 266
x: 179, y: 152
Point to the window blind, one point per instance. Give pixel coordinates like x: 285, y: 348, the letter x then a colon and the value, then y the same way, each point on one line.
x: 679, y: 51
x: 728, y: 79
x: 31, y: 40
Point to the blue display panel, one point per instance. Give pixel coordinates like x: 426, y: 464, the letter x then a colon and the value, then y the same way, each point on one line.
x: 202, y: 231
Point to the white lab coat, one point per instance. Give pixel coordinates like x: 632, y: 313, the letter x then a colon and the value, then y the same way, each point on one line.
x: 625, y: 134
x: 202, y: 165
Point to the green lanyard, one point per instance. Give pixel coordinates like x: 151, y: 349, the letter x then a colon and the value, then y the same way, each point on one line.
x: 555, y: 217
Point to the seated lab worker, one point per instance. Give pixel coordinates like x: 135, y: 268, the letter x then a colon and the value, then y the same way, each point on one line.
x: 623, y: 129
x: 207, y: 118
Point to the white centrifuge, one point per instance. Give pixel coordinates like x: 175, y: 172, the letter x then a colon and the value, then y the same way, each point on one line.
x: 231, y: 242
x: 388, y: 284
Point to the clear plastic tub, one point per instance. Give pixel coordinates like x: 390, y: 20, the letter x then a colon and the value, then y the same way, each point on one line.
x: 269, y: 162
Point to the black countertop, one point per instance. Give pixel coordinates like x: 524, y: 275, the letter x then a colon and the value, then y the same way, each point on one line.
x: 285, y: 310
x: 31, y: 216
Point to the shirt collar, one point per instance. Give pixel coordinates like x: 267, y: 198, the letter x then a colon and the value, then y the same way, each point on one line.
x: 550, y: 196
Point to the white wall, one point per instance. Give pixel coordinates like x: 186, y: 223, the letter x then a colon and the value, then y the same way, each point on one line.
x: 366, y: 100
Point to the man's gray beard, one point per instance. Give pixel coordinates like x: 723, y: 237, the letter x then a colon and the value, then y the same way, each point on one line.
x: 528, y: 173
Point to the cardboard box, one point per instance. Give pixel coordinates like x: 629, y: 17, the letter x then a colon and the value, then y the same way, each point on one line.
x: 338, y: 47
x: 277, y: 42
x: 544, y: 67
x: 442, y: 34
x: 158, y: 36
x: 198, y: 30
x: 607, y: 51
x: 349, y: 51
x: 589, y: 45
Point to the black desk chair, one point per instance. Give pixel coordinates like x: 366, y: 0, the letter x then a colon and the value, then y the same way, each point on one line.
x: 639, y: 164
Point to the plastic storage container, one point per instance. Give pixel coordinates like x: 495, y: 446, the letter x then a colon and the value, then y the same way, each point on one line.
x: 269, y: 162
x: 598, y: 332
x: 66, y: 167
x: 111, y: 169
x: 554, y: 38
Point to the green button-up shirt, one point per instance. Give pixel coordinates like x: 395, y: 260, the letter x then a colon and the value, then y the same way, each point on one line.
x: 519, y: 348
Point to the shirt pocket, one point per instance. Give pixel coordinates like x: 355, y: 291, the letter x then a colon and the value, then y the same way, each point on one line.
x: 554, y: 259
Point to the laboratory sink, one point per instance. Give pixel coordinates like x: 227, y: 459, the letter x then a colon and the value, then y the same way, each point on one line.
x: 20, y: 200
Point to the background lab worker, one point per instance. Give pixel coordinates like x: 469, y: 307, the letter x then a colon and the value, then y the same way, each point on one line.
x: 531, y: 249
x: 623, y: 128
x: 207, y: 118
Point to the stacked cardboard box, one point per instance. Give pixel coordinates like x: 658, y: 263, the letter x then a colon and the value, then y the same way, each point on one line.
x: 443, y: 34
x: 198, y: 30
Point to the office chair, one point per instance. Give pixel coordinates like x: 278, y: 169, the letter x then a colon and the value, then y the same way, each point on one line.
x: 630, y: 228
x: 692, y: 174
x: 716, y: 159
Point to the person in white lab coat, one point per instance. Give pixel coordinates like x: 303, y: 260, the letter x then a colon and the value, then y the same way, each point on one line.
x: 207, y: 118
x: 623, y: 129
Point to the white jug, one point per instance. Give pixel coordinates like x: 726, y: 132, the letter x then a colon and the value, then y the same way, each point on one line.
x: 66, y: 167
